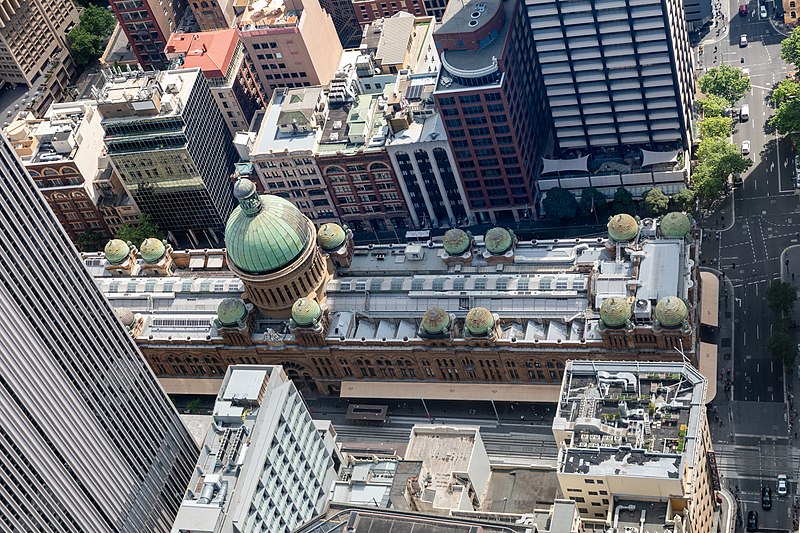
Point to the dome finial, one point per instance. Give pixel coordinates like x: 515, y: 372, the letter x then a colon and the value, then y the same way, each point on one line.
x: 245, y: 191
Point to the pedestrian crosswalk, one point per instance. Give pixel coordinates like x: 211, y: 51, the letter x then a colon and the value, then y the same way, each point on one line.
x: 757, y: 462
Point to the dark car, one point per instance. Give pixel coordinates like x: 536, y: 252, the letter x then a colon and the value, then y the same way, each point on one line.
x: 743, y: 10
x: 766, y: 498
x: 752, y: 521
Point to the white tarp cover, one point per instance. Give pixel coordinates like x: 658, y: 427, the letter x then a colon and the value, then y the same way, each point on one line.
x: 561, y: 165
x: 654, y: 158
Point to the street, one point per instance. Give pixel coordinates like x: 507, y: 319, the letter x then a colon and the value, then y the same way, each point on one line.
x: 743, y: 242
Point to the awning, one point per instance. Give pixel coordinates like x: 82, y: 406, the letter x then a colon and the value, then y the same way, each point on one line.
x: 214, y: 261
x: 565, y: 165
x: 709, y: 299
x: 654, y: 158
x: 200, y: 386
x: 708, y: 367
x: 402, y: 390
x: 197, y: 261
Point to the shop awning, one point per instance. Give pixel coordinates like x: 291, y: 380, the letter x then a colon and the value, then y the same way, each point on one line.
x: 400, y: 390
x: 199, y: 386
x: 709, y: 299
x: 654, y: 158
x: 708, y: 367
x: 566, y: 165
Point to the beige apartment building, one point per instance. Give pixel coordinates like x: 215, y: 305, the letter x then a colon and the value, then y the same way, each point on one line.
x: 634, y: 445
x: 33, y: 47
x: 291, y: 43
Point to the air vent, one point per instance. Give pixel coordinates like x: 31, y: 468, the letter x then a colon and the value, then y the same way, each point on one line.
x: 472, y: 23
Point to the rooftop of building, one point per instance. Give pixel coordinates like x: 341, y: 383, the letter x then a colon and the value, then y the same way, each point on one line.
x: 552, y: 290
x: 625, y: 418
x: 479, y: 65
x: 119, y: 50
x: 374, y: 521
x: 241, y: 419
x: 265, y: 14
x: 643, y: 516
x: 359, y: 124
x: 286, y: 107
x: 153, y: 94
x: 50, y: 139
x: 210, y: 51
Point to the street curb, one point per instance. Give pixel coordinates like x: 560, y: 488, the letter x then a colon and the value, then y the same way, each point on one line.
x: 777, y: 29
x: 731, y: 525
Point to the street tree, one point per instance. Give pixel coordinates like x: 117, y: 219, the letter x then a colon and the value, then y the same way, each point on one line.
x: 684, y: 200
x: 707, y: 185
x: 98, y: 21
x: 623, y: 202
x: 781, y: 345
x: 560, y: 204
x: 713, y: 106
x: 593, y: 204
x: 726, y: 82
x: 790, y: 48
x: 781, y: 297
x: 787, y: 117
x: 656, y: 202
x: 785, y: 91
x: 137, y: 233
x: 715, y: 127
x: 721, y: 157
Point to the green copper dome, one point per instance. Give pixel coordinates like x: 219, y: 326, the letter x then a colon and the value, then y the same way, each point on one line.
x: 330, y: 237
x: 306, y: 311
x: 117, y: 251
x: 498, y: 241
x: 264, y: 233
x: 479, y: 321
x: 671, y: 311
x: 615, y: 311
x: 152, y: 250
x: 435, y: 320
x: 675, y: 225
x: 456, y: 241
x: 231, y: 311
x: 622, y: 227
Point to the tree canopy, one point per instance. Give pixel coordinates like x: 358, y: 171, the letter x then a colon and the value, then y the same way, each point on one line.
x: 136, y: 234
x: 87, y: 38
x: 781, y: 297
x: 713, y: 106
x: 719, y: 126
x: 781, y: 345
x: 560, y: 204
x: 656, y: 202
x: 786, y: 90
x: 718, y: 159
x: 790, y: 48
x: 623, y: 202
x: 787, y: 117
x: 684, y: 200
x: 98, y: 21
x: 726, y: 82
x: 593, y: 203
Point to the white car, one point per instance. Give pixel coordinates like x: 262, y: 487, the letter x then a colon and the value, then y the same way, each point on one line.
x: 783, y: 490
x: 743, y: 40
x: 762, y: 12
x: 745, y: 147
x: 746, y: 72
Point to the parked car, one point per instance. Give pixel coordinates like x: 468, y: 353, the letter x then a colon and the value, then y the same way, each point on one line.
x: 744, y: 113
x: 752, y: 521
x: 766, y: 498
x: 783, y: 489
x: 743, y: 10
x: 743, y: 40
x: 762, y: 12
x: 745, y: 147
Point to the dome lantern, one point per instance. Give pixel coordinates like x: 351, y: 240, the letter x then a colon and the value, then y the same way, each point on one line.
x: 479, y: 321
x: 306, y: 312
x: 331, y: 237
x: 231, y: 312
x: 435, y: 321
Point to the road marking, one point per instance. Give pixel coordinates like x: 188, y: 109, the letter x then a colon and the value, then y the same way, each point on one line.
x: 758, y: 334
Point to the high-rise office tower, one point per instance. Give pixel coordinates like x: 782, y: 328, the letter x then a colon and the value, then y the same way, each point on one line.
x: 89, y: 441
x: 147, y: 25
x: 169, y: 142
x: 618, y: 73
x: 33, y: 46
x: 344, y: 20
x: 491, y: 99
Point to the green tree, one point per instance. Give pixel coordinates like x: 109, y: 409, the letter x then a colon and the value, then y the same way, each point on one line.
x: 623, y: 202
x: 684, y: 200
x: 721, y: 157
x: 90, y: 241
x: 780, y: 345
x: 86, y: 47
x: 656, y: 201
x: 137, y: 233
x: 715, y: 127
x: 726, y: 82
x: 787, y: 117
x: 593, y: 204
x: 706, y: 185
x: 785, y: 91
x: 790, y: 48
x: 781, y: 297
x: 560, y: 204
x: 98, y: 21
x: 713, y: 106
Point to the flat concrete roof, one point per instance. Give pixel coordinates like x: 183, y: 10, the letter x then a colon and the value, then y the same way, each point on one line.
x: 516, y: 392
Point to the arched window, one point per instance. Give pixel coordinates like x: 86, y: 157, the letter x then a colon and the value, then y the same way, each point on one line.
x: 378, y: 166
x: 333, y: 170
x: 49, y: 172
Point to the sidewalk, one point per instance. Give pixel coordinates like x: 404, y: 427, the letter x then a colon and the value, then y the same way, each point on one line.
x: 727, y: 515
x: 790, y: 273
